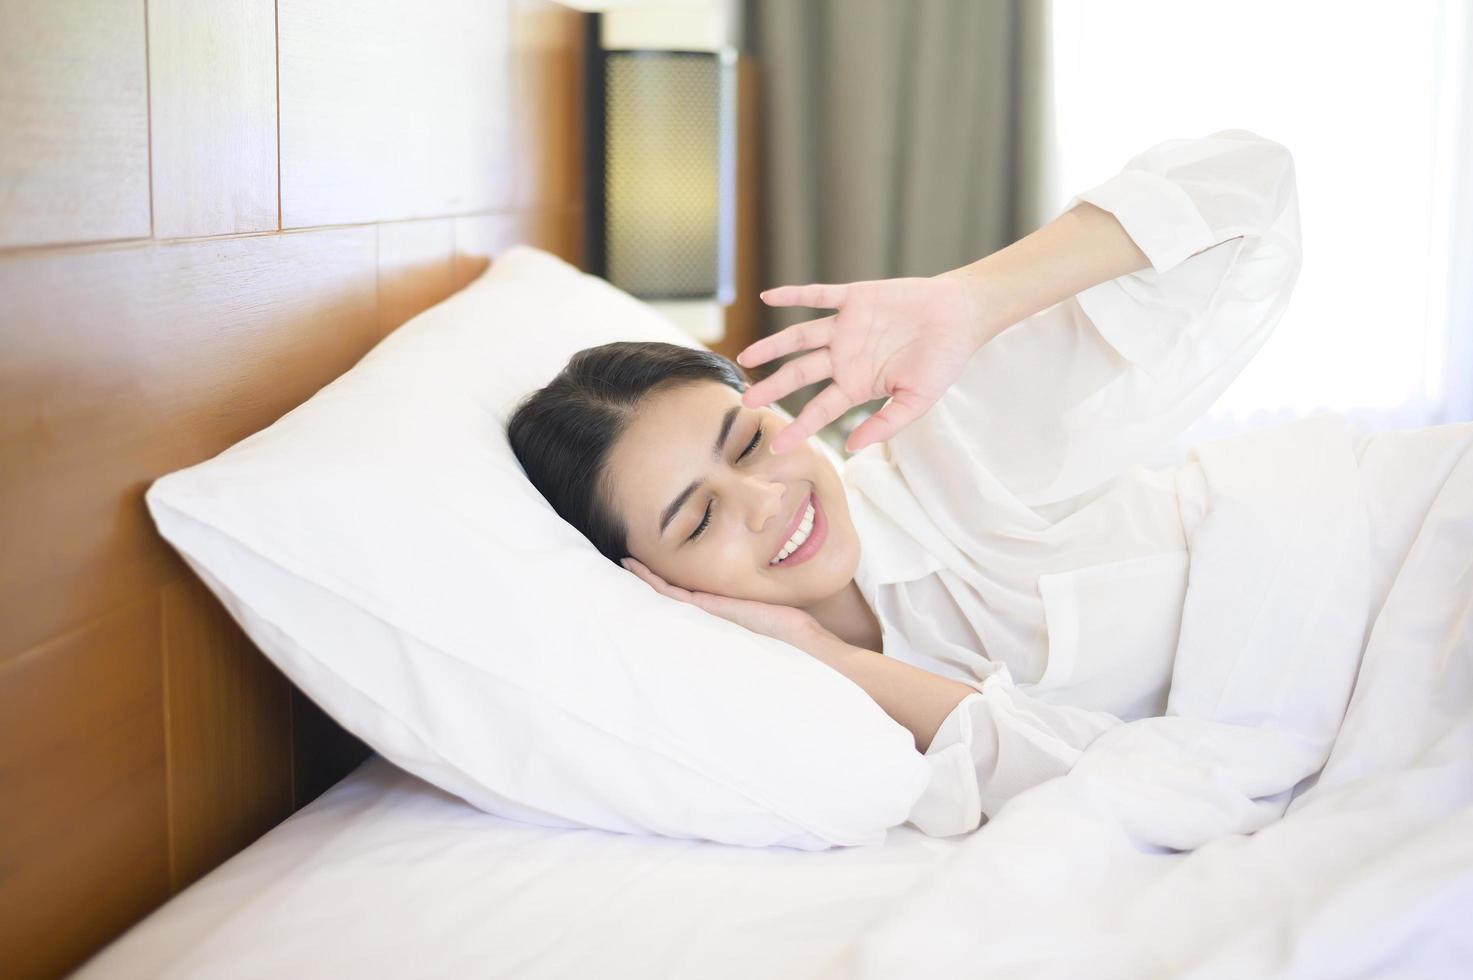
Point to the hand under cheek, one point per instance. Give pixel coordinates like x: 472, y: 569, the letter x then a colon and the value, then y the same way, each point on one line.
x: 729, y: 573
x: 721, y: 581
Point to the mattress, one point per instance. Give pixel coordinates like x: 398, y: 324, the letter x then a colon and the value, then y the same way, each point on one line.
x: 387, y: 876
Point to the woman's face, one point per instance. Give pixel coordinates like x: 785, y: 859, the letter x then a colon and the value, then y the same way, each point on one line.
x: 708, y: 512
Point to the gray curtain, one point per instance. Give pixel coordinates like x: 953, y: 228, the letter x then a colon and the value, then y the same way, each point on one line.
x: 900, y: 137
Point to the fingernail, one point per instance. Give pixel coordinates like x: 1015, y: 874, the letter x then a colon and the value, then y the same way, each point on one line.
x: 625, y: 563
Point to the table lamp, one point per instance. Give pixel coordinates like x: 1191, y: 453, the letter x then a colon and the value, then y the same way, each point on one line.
x: 662, y: 178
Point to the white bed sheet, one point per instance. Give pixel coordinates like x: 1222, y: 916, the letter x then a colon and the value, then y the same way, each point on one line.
x: 385, y: 876
x: 1143, y: 861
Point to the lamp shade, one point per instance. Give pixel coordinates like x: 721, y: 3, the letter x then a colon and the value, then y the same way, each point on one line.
x: 664, y: 228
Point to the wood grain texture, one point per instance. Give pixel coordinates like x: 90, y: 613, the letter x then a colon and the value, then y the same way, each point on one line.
x: 393, y: 110
x: 83, y: 827
x: 229, y: 733
x: 415, y: 268
x: 547, y: 62
x: 480, y: 237
x: 121, y: 364
x: 142, y: 737
x: 212, y: 86
x: 73, y: 122
x: 557, y: 231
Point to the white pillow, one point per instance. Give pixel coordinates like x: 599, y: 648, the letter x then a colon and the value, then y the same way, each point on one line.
x: 382, y: 545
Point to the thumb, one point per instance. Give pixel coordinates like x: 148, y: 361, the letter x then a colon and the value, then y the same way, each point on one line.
x: 903, y: 408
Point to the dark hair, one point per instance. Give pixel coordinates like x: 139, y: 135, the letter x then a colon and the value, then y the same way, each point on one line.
x: 563, y: 433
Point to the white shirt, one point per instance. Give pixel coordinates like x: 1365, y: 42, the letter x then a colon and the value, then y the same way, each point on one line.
x: 1014, y: 538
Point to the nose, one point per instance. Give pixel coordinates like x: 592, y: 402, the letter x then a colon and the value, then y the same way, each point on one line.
x: 765, y: 502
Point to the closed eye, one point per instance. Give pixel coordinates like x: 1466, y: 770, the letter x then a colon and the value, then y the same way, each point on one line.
x: 751, y: 447
x: 705, y: 521
x: 706, y: 518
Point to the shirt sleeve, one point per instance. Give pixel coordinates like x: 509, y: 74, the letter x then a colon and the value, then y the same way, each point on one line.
x: 1070, y: 397
x: 995, y: 744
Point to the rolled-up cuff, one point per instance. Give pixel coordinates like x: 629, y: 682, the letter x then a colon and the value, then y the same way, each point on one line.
x: 1158, y: 215
x: 951, y: 803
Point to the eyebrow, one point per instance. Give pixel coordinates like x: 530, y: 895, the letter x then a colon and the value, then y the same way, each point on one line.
x: 684, y: 495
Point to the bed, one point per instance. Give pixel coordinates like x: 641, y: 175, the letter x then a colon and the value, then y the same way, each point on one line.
x: 386, y: 876
x: 1126, y: 867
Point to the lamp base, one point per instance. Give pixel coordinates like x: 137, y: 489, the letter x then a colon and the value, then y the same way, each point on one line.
x: 703, y: 319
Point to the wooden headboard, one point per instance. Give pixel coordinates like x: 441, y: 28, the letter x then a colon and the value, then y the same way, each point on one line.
x: 208, y: 210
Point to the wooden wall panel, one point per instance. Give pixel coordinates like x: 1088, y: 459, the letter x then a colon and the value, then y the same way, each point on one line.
x: 415, y: 268
x: 73, y: 122
x: 479, y: 237
x: 83, y: 828
x: 120, y: 364
x: 393, y: 110
x: 547, y: 89
x: 142, y: 737
x: 212, y: 85
x: 559, y: 232
x: 229, y: 733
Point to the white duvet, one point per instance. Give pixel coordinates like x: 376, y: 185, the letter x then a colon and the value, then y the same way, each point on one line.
x: 1305, y: 808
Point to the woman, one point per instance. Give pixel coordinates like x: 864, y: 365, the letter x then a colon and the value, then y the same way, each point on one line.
x: 1000, y: 570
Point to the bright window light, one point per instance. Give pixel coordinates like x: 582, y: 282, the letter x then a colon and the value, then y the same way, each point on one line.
x: 1369, y: 98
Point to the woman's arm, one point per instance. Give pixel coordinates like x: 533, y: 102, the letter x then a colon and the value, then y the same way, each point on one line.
x: 1200, y: 311
x: 911, y: 338
x: 1082, y: 247
x: 916, y: 698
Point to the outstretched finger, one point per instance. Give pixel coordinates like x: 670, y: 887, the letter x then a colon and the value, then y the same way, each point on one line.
x: 903, y: 408
x: 822, y: 409
x: 823, y: 296
x: 808, y: 335
x: 789, y: 378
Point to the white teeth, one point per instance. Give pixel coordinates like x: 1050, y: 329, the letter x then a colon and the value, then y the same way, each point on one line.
x: 805, y: 527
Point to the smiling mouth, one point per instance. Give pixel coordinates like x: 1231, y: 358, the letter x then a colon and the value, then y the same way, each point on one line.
x: 806, y: 538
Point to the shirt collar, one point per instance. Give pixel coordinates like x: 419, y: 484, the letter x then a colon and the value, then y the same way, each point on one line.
x: 887, y: 552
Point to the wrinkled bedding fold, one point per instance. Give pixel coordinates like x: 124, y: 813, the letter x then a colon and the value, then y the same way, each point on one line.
x: 1305, y: 808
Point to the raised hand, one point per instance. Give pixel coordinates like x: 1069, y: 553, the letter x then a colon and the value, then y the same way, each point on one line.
x: 908, y: 338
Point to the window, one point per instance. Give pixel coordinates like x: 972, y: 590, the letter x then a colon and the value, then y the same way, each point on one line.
x: 1373, y: 100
